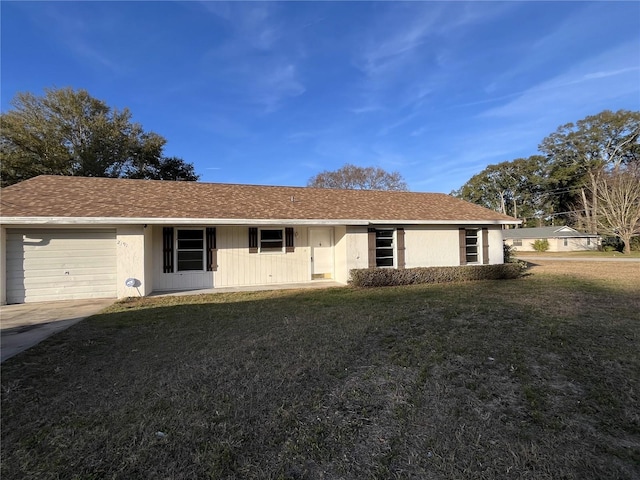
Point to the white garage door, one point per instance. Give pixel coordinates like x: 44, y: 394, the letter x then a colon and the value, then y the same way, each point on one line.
x: 45, y: 265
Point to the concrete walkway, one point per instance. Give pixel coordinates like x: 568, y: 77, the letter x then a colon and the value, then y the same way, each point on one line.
x: 252, y: 288
x: 25, y: 325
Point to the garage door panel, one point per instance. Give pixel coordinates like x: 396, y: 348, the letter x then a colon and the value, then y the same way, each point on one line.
x: 47, y: 274
x: 53, y: 289
x: 75, y: 281
x: 60, y: 264
x: 53, y: 295
x: 63, y: 251
x: 50, y: 263
x: 69, y: 234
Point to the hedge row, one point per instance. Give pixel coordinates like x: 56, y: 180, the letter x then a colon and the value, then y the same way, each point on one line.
x: 382, y: 277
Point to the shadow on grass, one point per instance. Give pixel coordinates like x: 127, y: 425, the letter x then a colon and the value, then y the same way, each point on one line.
x: 534, y: 377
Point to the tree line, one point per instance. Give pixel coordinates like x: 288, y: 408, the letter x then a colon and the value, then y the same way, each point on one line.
x: 587, y: 175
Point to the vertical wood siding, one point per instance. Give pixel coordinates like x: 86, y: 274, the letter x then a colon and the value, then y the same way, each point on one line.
x: 237, y: 266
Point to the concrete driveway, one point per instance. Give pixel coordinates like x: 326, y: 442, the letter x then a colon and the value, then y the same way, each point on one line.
x: 25, y: 325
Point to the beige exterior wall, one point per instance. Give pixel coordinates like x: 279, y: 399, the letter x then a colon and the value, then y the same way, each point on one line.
x: 433, y: 247
x: 130, y: 248
x: 438, y: 246
x: 148, y: 260
x: 357, y: 244
x: 496, y: 248
x: 340, y: 252
x: 238, y: 267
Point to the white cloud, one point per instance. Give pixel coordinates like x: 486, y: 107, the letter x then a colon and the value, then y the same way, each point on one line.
x: 275, y: 85
x: 595, y: 83
x: 258, y: 66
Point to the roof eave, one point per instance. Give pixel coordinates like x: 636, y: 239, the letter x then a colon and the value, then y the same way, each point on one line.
x: 236, y: 221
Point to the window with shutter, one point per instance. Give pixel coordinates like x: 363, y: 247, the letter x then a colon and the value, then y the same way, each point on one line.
x: 462, y: 235
x: 382, y: 247
x: 400, y: 247
x: 212, y: 251
x: 289, y: 236
x: 271, y: 240
x: 485, y: 246
x: 470, y: 246
x: 372, y: 247
x: 190, y: 250
x: 167, y: 249
x: 253, y: 240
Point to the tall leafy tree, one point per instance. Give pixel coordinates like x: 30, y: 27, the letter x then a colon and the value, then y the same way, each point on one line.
x: 358, y: 178
x: 68, y: 132
x: 580, y: 153
x: 514, y: 188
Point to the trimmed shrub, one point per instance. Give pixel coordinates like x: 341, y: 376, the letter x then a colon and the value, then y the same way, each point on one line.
x: 541, y: 245
x: 508, y: 252
x: 385, y: 277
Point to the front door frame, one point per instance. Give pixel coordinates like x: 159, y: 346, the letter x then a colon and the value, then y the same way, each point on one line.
x: 321, y: 275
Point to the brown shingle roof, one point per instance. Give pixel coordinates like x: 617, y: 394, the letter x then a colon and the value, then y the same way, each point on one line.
x: 73, y: 197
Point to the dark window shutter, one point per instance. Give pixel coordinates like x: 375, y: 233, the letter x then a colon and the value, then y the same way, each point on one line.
x: 485, y: 246
x: 288, y: 236
x: 400, y: 247
x: 167, y: 249
x: 372, y: 248
x: 212, y: 250
x: 253, y: 240
x: 463, y: 246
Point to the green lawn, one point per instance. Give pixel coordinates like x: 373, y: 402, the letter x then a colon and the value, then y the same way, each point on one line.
x: 535, y: 378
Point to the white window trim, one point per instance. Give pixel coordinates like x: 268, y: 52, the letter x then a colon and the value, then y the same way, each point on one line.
x: 394, y: 247
x: 176, y: 251
x: 478, y: 245
x: 272, y: 252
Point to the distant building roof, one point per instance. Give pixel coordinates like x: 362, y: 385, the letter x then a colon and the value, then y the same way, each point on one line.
x: 545, y: 232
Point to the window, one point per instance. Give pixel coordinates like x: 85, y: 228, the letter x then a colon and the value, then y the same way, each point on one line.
x: 471, y: 245
x: 384, y: 248
x: 190, y: 250
x: 271, y: 240
x: 276, y: 240
x: 517, y: 242
x: 588, y: 242
x: 566, y: 242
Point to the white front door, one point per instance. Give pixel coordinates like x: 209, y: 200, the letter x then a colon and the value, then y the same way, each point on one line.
x: 321, y: 240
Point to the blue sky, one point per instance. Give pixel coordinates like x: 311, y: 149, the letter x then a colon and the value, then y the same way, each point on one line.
x: 275, y: 92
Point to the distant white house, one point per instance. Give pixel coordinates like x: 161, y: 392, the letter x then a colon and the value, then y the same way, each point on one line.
x: 561, y: 239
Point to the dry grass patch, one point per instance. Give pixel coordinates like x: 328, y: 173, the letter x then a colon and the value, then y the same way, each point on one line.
x: 623, y: 275
x: 530, y: 378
